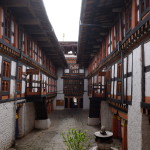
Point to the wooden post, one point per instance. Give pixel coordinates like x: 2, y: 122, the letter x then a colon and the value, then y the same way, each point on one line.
x: 114, y: 125
x: 124, y: 135
x: 119, y: 127
x: 1, y: 29
x: 134, y: 13
x: 78, y: 102
x: 68, y: 102
x: 16, y: 35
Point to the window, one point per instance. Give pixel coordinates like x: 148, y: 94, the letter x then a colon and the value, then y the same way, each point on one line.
x: 81, y: 70
x: 19, y: 86
x: 7, y: 23
x: 20, y: 39
x: 128, y: 13
x: 119, y: 74
x: 19, y: 73
x: 6, y: 79
x: 5, y: 86
x: 117, y: 33
x: 6, y: 69
x: 144, y: 6
x: 110, y: 43
x: 119, y: 83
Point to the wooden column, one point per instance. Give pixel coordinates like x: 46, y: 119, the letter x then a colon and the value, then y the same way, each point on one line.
x: 134, y: 13
x: 16, y: 35
x: 114, y: 126
x: 68, y: 102
x: 118, y: 127
x: 25, y: 43
x: 124, y: 135
x: 1, y: 29
x: 78, y: 102
x: 112, y: 36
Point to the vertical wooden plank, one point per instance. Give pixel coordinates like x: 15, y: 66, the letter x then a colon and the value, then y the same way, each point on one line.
x: 124, y: 135
x: 25, y: 43
x: 143, y: 73
x: 114, y: 125
x: 106, y: 46
x: 1, y: 13
x: 134, y: 13
x: 112, y: 34
x: 16, y: 35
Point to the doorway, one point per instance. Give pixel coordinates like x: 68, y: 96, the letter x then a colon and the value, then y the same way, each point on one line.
x: 73, y: 102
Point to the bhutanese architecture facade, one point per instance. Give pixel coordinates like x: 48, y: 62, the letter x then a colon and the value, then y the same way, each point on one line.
x: 75, y: 86
x: 114, y: 44
x: 29, y: 54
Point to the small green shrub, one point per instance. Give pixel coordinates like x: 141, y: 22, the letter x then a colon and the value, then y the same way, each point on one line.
x: 76, y: 139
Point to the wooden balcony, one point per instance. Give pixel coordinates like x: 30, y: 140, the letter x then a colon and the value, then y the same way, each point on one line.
x: 37, y: 89
x: 98, y: 91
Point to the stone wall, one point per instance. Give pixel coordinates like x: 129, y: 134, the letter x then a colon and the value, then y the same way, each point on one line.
x: 7, y: 125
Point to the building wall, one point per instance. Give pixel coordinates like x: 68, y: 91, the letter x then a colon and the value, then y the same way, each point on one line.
x: 7, y: 125
x: 60, y: 95
x: 26, y: 119
x: 106, y: 116
x: 29, y: 117
x: 86, y: 100
x: 145, y: 133
x: 134, y: 111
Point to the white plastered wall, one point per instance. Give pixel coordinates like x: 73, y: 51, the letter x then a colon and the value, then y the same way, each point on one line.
x: 115, y: 82
x: 106, y: 116
x: 86, y: 100
x: 26, y: 118
x: 145, y: 120
x: 129, y: 79
x: 147, y: 63
x: 60, y: 95
x: 13, y: 81
x: 112, y: 76
x: 134, y: 111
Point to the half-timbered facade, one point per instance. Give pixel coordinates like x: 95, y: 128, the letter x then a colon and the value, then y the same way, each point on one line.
x: 29, y: 54
x: 114, y: 44
x: 73, y: 75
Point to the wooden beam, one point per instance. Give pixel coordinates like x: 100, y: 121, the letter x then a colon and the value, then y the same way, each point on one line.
x: 16, y: 3
x: 28, y: 21
x: 44, y: 45
x: 41, y: 38
x: 117, y: 10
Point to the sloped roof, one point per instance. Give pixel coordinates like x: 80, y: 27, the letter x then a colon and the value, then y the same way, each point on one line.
x: 32, y: 15
x: 96, y: 19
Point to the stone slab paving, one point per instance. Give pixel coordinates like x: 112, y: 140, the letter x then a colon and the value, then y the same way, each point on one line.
x: 61, y: 121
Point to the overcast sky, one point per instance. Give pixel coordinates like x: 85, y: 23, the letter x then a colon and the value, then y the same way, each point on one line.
x: 64, y: 16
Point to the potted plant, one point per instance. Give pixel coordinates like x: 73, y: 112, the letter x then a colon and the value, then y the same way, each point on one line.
x: 76, y: 139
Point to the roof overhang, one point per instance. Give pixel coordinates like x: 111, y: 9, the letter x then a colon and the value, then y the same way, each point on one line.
x: 31, y: 14
x: 96, y: 19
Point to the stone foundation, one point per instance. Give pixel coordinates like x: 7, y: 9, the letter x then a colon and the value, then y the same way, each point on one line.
x: 93, y: 121
x: 42, y: 124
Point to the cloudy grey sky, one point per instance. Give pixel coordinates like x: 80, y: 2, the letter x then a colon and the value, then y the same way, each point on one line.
x: 64, y: 16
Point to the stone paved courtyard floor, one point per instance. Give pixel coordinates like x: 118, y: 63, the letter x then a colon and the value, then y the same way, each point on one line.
x: 51, y: 139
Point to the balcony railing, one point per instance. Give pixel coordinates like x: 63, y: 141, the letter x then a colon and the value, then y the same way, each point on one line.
x: 37, y: 88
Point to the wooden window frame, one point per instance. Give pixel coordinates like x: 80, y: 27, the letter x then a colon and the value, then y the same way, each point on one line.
x: 21, y: 39
x: 146, y: 7
x: 5, y: 80
x: 128, y: 16
x: 7, y: 24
